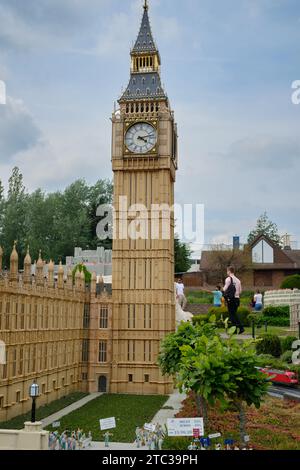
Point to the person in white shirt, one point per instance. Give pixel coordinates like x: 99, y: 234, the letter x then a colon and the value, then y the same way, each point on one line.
x: 180, y: 294
x: 232, y: 292
x: 258, y: 299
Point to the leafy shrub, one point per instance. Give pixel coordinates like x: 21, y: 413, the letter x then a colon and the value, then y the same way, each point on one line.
x: 256, y: 318
x: 280, y: 321
x: 269, y: 344
x: 265, y: 360
x: 221, y: 313
x: 276, y: 311
x: 291, y: 282
x: 198, y: 319
x: 287, y: 357
x: 287, y: 343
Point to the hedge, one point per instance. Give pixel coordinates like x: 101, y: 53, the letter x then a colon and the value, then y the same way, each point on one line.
x: 269, y: 344
x: 222, y: 313
x: 287, y: 343
x: 280, y: 321
x: 276, y: 311
x: 291, y: 282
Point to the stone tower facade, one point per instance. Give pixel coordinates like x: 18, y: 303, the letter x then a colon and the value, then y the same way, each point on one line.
x: 144, y: 161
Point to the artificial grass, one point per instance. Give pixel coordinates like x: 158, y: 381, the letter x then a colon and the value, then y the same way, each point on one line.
x: 43, y: 411
x: 130, y: 411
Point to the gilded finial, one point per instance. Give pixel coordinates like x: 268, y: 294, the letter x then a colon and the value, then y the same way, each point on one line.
x: 146, y: 6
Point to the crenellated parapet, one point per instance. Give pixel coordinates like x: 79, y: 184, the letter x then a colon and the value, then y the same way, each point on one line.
x: 43, y: 282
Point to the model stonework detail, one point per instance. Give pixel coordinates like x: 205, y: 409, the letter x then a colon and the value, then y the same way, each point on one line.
x: 69, y: 336
x: 144, y: 159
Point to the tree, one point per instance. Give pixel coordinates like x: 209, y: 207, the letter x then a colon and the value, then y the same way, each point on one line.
x: 248, y: 384
x: 99, y: 194
x: 182, y: 256
x: 13, y: 218
x: 214, y: 369
x: 171, y: 352
x: 55, y: 222
x: 218, y: 260
x: 204, y: 371
x: 264, y: 226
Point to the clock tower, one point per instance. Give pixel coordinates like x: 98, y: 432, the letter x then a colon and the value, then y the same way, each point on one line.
x: 144, y: 160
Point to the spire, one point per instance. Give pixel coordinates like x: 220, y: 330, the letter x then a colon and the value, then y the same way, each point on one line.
x: 145, y: 82
x: 145, y: 41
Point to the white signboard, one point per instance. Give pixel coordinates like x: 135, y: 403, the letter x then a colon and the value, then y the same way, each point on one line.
x: 215, y: 436
x: 56, y: 424
x: 149, y: 427
x: 108, y: 423
x: 185, y: 426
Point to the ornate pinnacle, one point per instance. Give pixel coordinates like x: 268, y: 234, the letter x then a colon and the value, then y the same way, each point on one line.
x: 146, y: 6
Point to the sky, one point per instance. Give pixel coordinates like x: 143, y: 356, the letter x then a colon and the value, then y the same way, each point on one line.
x: 227, y: 66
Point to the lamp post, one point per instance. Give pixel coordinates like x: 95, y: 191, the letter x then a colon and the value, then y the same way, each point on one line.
x: 33, y: 393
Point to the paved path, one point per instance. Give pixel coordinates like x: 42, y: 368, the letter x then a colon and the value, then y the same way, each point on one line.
x: 175, y: 403
x: 65, y: 411
x: 244, y: 336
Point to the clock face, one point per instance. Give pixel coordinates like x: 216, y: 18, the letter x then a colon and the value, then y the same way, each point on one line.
x: 141, y: 138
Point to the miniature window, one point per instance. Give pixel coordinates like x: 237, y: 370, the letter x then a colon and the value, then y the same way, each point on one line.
x: 130, y: 378
x: 147, y: 378
x: 263, y: 253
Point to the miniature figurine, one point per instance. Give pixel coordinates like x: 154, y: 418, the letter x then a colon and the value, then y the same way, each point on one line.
x: 106, y: 438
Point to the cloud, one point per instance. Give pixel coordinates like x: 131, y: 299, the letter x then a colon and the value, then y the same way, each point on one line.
x: 18, y: 130
x: 270, y: 153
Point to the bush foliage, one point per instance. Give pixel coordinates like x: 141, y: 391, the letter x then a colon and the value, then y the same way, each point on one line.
x: 291, y: 282
x: 221, y: 314
x: 269, y: 344
x: 287, y: 343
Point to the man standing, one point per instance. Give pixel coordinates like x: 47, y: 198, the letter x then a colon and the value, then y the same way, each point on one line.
x: 180, y: 294
x: 232, y: 292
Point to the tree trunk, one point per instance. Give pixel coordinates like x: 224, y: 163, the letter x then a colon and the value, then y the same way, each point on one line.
x: 242, y: 422
x: 202, y: 408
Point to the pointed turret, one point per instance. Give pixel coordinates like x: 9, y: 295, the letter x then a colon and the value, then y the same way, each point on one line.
x: 27, y: 268
x: 14, y: 260
x: 39, y: 270
x: 145, y: 41
x: 145, y: 82
x: 51, y: 273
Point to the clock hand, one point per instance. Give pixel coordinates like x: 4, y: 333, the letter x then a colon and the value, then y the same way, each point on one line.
x: 142, y: 138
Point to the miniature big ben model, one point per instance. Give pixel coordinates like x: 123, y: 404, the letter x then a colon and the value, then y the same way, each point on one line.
x: 144, y: 160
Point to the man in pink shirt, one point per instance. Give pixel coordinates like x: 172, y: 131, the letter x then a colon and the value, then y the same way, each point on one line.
x: 232, y: 292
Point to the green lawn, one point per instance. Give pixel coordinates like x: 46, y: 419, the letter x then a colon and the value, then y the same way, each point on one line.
x: 130, y: 411
x: 43, y: 411
x: 274, y: 330
x: 203, y: 297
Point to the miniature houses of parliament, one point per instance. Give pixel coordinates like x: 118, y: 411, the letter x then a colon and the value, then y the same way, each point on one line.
x: 72, y: 337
